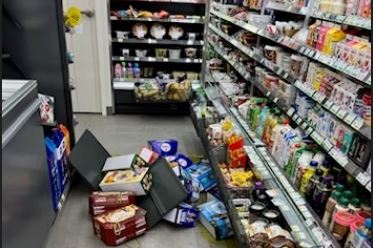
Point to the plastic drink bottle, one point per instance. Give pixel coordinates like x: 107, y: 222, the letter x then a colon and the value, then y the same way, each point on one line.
x: 330, y: 205
x: 341, y: 206
x: 314, y: 181
x: 362, y: 234
x: 354, y: 205
x: 310, y: 171
x: 322, y: 194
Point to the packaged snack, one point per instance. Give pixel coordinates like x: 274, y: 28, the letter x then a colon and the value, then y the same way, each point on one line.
x: 102, y: 202
x: 137, y: 180
x: 164, y: 147
x: 120, y: 225
x: 184, y: 215
x: 213, y: 215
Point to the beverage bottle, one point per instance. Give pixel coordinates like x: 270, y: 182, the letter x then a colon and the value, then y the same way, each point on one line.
x: 258, y: 189
x: 310, y: 171
x: 325, y: 167
x: 136, y: 71
x: 347, y: 194
x: 330, y: 204
x: 322, y: 194
x: 341, y: 206
x: 354, y: 205
x: 303, y: 161
x: 117, y: 70
x: 124, y: 70
x: 314, y: 181
x: 339, y: 187
x: 129, y: 71
x: 319, y: 157
x: 293, y: 160
x: 362, y: 234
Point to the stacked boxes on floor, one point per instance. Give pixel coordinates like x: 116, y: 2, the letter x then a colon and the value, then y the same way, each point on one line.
x: 139, y: 190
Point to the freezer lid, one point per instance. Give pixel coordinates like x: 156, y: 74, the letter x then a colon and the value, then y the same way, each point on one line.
x: 88, y: 158
x: 166, y: 193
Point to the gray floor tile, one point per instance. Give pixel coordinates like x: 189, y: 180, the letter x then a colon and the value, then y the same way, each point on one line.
x: 122, y: 134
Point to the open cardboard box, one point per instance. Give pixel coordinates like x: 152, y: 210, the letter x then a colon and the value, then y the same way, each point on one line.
x: 92, y: 161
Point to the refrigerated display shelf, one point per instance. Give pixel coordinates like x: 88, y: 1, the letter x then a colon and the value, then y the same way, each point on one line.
x: 351, y: 120
x: 302, y: 220
x: 361, y: 77
x: 351, y: 20
x: 156, y: 60
x: 349, y: 166
x: 191, y: 20
x: 159, y: 42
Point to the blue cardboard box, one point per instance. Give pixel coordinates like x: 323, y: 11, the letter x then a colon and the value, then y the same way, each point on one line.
x: 203, y: 174
x: 214, y: 217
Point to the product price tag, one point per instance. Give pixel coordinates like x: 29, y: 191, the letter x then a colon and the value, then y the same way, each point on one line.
x: 165, y: 59
x: 302, y: 236
x: 342, y: 113
x: 298, y: 84
x: 268, y: 94
x: 334, y: 109
x: 299, y: 121
x: 316, y: 137
x: 295, y: 228
x: 309, y: 222
x: 121, y: 58
x: 302, y: 49
x: 340, y: 18
x: 362, y: 178
x: 341, y: 158
x: 284, y: 208
x: 295, y: 117
x: 358, y: 123
x: 328, y: 104
x: 350, y: 118
x: 291, y: 111
x: 317, y: 55
x: 369, y: 187
x: 327, y: 145
x: 275, y: 100
x: 309, y: 130
x: 120, y: 40
x: 304, y: 125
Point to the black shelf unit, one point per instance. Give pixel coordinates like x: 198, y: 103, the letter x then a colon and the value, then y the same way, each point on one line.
x: 194, y: 21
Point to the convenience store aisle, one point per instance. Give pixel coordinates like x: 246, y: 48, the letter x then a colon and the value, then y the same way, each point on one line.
x: 122, y: 134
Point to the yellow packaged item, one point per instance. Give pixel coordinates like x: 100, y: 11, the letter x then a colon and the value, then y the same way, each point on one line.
x: 241, y: 178
x: 333, y: 35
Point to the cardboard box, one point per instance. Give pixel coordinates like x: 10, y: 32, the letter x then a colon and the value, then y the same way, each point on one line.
x: 102, y: 202
x: 166, y: 192
x: 214, y: 217
x: 184, y: 215
x: 117, y: 226
x: 203, y: 174
x: 137, y: 180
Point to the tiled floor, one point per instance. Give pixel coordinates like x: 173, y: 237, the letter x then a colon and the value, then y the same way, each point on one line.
x: 122, y: 134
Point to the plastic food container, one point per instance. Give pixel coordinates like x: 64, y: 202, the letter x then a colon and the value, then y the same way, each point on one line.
x: 174, y: 53
x: 191, y: 52
x: 160, y: 53
x: 342, y: 222
x: 141, y: 52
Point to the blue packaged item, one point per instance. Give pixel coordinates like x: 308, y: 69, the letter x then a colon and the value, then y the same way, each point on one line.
x: 193, y: 187
x: 183, y: 161
x: 184, y: 215
x: 214, y: 217
x: 203, y: 174
x: 164, y: 147
x: 60, y: 155
x: 55, y: 182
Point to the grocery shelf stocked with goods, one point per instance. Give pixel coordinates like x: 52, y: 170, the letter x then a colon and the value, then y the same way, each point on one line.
x: 298, y: 94
x: 157, y: 54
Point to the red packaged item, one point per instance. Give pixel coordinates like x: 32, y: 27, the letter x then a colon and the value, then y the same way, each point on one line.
x: 102, y: 202
x: 118, y: 226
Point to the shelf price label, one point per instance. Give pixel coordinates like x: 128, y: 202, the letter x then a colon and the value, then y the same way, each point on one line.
x: 299, y: 121
x: 334, y: 109
x: 291, y: 111
x: 342, y: 113
x: 309, y: 130
x: 275, y: 100
x: 363, y: 178
x: 350, y: 118
x: 328, y: 104
x: 327, y: 145
x: 358, y: 123
x: 304, y: 125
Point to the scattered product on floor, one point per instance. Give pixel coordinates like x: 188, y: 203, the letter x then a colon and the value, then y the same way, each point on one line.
x: 139, y: 190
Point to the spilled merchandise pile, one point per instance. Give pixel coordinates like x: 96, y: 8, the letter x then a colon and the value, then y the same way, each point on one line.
x: 133, y: 192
